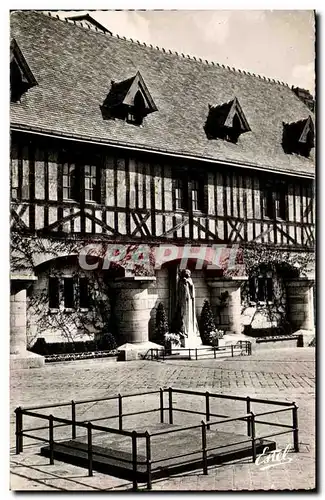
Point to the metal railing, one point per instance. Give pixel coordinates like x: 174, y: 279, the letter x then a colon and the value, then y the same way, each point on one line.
x: 244, y: 346
x: 251, y: 419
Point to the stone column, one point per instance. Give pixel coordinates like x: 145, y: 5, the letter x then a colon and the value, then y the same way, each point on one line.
x: 233, y: 310
x: 19, y: 356
x: 132, y: 311
x: 301, y: 303
x: 17, y: 320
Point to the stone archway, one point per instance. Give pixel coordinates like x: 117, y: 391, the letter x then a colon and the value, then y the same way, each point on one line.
x: 276, y: 299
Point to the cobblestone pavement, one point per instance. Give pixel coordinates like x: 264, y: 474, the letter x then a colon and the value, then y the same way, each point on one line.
x: 286, y: 374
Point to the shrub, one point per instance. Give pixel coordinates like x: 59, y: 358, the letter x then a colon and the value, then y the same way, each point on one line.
x: 207, y: 323
x: 161, y: 329
x: 106, y: 342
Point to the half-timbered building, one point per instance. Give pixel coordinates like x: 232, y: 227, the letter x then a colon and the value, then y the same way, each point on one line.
x: 139, y: 151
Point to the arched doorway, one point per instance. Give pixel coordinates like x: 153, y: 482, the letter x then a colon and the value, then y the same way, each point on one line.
x: 265, y: 301
x: 69, y: 304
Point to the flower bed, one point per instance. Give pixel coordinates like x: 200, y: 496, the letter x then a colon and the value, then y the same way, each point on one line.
x: 74, y: 356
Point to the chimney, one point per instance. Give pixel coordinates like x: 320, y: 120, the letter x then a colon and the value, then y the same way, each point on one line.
x: 305, y: 96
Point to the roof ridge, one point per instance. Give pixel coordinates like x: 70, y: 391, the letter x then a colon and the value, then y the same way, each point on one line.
x: 169, y: 51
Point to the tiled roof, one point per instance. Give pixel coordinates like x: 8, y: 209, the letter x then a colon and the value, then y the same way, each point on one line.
x: 74, y: 68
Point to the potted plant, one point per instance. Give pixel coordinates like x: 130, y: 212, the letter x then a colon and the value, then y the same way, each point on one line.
x: 214, y: 337
x: 172, y: 340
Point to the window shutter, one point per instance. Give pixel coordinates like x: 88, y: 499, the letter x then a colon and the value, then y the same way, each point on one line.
x: 76, y: 183
x: 54, y: 295
x: 69, y: 299
x: 83, y: 293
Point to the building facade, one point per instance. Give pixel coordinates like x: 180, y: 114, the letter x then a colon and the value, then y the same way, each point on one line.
x: 129, y: 161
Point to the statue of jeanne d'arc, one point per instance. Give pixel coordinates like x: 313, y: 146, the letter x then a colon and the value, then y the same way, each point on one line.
x: 186, y: 309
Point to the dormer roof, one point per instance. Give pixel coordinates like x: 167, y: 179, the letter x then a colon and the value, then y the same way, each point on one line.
x: 124, y: 92
x: 226, y: 120
x: 21, y: 76
x: 298, y: 137
x: 129, y: 100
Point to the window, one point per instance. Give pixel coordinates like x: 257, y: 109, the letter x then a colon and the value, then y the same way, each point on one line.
x: 180, y: 195
x: 138, y: 110
x: 83, y: 293
x: 275, y: 204
x: 68, y: 288
x: 54, y: 296
x: 280, y: 205
x: 70, y: 191
x: 80, y: 182
x: 197, y: 196
x: 14, y: 181
x: 186, y: 192
x: 261, y: 289
x: 69, y: 292
x: 91, y: 183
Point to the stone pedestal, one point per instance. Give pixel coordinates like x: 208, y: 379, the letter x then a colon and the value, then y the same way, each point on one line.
x: 132, y: 311
x: 192, y: 342
x: 233, y: 309
x: 301, y: 303
x: 19, y: 356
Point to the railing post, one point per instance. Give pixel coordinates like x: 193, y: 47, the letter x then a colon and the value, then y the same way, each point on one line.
x: 51, y: 439
x: 248, y: 410
x: 120, y: 412
x: 73, y: 419
x: 134, y: 460
x: 295, y: 427
x: 90, y: 449
x: 148, y: 454
x: 204, y: 448
x: 232, y: 351
x: 161, y: 391
x: 196, y: 353
x: 214, y: 352
x: 189, y: 354
x: 19, y: 430
x: 207, y: 408
x: 170, y: 405
x: 253, y: 436
x: 163, y: 354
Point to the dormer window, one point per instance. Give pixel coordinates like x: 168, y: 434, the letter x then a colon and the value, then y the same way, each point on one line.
x: 21, y: 76
x: 128, y: 100
x: 298, y: 137
x: 226, y: 122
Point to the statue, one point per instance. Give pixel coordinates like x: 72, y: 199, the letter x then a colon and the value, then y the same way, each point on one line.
x: 186, y: 310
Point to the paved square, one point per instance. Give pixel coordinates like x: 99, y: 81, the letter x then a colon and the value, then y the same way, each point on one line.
x: 283, y: 374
